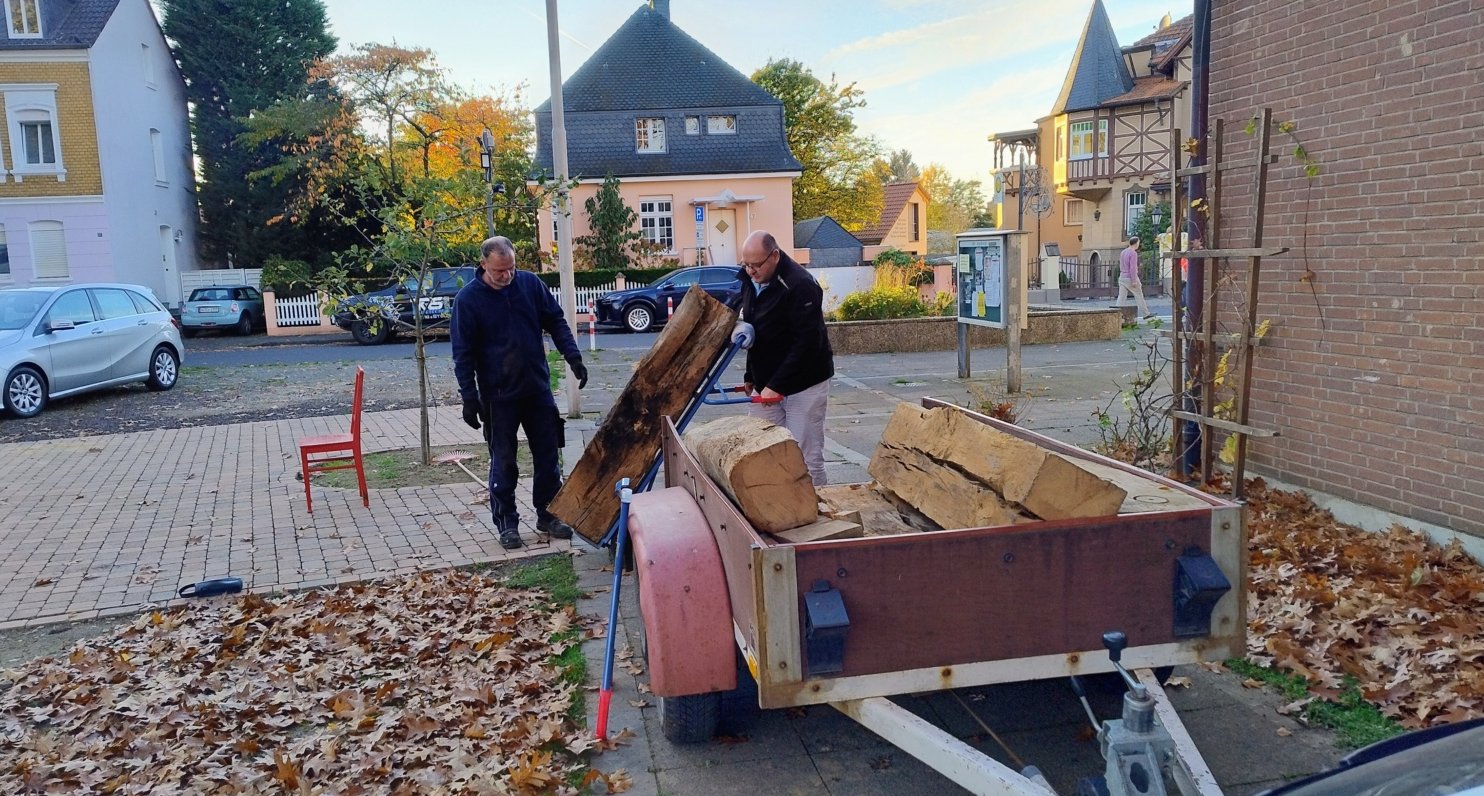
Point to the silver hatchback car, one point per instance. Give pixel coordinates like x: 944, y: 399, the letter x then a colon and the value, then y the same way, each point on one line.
x: 57, y: 341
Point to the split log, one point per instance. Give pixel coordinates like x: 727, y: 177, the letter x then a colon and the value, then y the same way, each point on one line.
x: 874, y: 510
x: 823, y: 529
x: 629, y: 439
x: 1047, y: 484
x: 945, y: 495
x: 759, y: 465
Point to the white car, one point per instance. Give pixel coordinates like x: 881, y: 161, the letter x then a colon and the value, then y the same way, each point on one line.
x: 58, y: 341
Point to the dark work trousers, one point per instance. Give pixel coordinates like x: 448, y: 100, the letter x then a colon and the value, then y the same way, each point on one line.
x: 539, y: 419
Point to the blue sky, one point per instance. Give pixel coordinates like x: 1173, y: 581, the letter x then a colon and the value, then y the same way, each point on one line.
x: 938, y: 75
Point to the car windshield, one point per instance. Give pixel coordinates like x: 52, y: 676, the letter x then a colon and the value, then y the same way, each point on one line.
x: 18, y: 308
x: 211, y: 294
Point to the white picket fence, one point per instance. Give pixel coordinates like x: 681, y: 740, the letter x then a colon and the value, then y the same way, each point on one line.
x: 587, y: 295
x: 299, y: 310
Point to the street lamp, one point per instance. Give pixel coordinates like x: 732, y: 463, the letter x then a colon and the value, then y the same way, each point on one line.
x: 486, y: 162
x: 1156, y: 214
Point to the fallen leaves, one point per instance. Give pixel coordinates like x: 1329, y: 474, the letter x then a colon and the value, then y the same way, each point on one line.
x: 1401, y: 616
x: 434, y: 682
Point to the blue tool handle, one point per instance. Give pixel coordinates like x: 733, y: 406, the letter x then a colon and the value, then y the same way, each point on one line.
x: 625, y: 495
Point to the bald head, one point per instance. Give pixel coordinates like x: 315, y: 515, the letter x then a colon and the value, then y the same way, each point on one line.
x: 497, y: 262
x: 760, y: 256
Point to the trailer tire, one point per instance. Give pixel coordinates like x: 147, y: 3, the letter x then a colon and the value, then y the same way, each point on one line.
x: 690, y: 719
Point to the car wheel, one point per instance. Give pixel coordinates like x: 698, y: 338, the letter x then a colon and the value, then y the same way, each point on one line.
x: 370, y: 332
x: 244, y: 325
x: 25, y: 392
x: 638, y: 318
x: 164, y: 369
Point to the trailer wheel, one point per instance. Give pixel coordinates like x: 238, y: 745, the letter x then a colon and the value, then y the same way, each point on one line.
x: 690, y: 719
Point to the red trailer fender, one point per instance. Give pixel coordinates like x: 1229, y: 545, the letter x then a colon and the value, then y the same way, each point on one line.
x: 682, y: 596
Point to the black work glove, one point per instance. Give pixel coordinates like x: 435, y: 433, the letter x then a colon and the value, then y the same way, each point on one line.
x: 579, y: 370
x: 471, y: 414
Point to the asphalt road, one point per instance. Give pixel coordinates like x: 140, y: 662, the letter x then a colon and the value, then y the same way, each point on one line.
x: 212, y: 351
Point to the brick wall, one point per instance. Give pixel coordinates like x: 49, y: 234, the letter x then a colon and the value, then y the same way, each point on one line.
x: 75, y: 126
x: 1382, y: 403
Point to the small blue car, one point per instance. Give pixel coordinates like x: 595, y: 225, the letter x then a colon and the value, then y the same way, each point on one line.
x: 236, y: 308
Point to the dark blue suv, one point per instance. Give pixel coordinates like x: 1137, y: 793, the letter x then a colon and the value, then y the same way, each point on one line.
x: 642, y: 308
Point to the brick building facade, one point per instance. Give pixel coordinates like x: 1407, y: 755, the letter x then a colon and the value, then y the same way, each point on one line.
x: 1382, y: 401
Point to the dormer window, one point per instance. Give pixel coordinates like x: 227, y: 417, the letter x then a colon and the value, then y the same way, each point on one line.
x: 649, y: 135
x: 721, y: 125
x: 692, y: 125
x: 23, y: 19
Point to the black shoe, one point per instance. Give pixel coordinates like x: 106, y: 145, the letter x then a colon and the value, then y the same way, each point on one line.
x: 553, y: 527
x: 510, y: 539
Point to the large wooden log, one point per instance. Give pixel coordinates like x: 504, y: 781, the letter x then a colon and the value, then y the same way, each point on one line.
x: 864, y: 503
x: 759, y: 465
x: 629, y: 438
x: 1047, y: 484
x: 945, y: 495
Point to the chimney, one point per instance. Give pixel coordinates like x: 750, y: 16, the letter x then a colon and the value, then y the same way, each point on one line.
x: 662, y: 6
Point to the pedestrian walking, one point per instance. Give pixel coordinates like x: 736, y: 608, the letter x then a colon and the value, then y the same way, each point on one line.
x: 1128, y: 278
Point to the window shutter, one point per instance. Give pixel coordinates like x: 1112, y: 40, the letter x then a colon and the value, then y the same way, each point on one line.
x: 48, y: 250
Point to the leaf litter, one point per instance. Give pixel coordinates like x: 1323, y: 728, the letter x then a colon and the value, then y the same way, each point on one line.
x: 1393, y: 612
x: 435, y: 682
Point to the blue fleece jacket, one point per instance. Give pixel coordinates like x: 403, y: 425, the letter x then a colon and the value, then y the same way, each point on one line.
x: 498, y: 354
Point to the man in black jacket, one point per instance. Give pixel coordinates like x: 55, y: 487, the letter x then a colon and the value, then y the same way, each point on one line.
x: 781, y: 324
x: 499, y: 360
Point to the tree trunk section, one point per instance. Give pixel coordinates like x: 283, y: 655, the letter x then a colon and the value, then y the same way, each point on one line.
x: 760, y: 466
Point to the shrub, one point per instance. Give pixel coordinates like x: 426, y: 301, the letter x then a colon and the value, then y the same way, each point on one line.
x: 285, y: 276
x: 895, y: 268
x: 943, y: 304
x: 882, y: 303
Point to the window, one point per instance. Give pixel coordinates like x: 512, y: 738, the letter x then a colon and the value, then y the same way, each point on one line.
x: 114, y: 303
x: 157, y: 145
x: 1079, y: 147
x: 24, y: 19
x: 1072, y: 215
x: 72, y: 306
x: 1134, y: 208
x: 649, y: 135
x: 48, y: 250
x: 4, y: 255
x: 143, y: 303
x: 684, y: 279
x: 657, y: 221
x: 1102, y: 138
x: 1061, y: 135
x: 35, y: 147
x: 147, y: 61
x: 441, y: 282
x: 692, y: 125
x: 916, y: 222
x: 721, y: 125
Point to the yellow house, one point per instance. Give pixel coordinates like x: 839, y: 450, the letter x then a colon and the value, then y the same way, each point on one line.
x: 699, y: 150
x: 96, y: 182
x: 903, y: 222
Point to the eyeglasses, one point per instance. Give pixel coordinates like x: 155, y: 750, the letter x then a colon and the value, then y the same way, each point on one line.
x: 757, y: 265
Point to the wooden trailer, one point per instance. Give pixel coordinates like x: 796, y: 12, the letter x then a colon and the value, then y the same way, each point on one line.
x: 849, y: 622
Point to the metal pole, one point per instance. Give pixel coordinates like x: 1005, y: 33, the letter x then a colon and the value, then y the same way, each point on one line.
x: 1015, y: 274
x: 562, y: 210
x: 1200, y: 100
x: 963, y: 350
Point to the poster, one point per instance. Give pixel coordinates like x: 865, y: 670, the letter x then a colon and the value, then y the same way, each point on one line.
x: 981, y: 281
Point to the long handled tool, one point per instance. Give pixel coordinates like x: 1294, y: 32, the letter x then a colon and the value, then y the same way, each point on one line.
x: 605, y: 696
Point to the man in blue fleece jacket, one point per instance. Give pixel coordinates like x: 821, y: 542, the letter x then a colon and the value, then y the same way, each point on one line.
x: 499, y: 360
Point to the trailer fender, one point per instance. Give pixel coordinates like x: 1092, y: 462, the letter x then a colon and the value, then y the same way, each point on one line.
x: 682, y: 596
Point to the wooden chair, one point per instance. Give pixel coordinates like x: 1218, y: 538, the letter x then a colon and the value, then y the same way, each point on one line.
x: 337, y: 451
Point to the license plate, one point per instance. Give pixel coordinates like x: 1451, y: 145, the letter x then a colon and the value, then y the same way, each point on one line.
x: 208, y: 310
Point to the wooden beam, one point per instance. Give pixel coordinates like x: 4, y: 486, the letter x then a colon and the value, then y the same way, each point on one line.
x: 662, y: 386
x: 1225, y: 425
x: 1244, y: 163
x: 1217, y: 254
x: 1229, y: 339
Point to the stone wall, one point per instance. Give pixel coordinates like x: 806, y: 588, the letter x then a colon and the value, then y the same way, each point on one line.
x: 941, y: 334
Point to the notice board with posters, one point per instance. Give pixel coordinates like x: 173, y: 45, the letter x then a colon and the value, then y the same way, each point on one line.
x: 982, y: 277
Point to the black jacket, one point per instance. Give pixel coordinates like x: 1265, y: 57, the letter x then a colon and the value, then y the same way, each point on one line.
x: 498, y: 353
x: 792, y: 352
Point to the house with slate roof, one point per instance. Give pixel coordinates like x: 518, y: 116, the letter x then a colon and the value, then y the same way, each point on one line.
x: 96, y: 179
x: 698, y: 148
x: 1104, y: 150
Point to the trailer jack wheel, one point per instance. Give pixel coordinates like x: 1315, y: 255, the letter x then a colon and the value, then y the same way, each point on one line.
x: 690, y: 719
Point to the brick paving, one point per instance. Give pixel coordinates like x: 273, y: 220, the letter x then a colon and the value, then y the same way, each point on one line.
x: 109, y: 525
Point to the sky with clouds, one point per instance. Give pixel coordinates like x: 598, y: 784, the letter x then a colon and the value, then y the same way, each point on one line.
x: 938, y: 75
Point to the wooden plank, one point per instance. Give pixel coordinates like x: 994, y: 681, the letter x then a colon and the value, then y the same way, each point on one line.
x: 1142, y: 494
x: 1254, y: 274
x: 662, y: 386
x: 1232, y: 338
x: 760, y: 466
x: 823, y: 529
x: 1225, y: 425
x: 1199, y: 780
x: 970, y: 768
x: 1244, y: 163
x: 779, y: 624
x: 1216, y: 254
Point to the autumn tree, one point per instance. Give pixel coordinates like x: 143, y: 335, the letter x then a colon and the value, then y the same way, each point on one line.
x: 839, y: 178
x: 394, y: 89
x: 900, y: 167
x: 612, y: 223
x: 955, y: 205
x: 239, y: 58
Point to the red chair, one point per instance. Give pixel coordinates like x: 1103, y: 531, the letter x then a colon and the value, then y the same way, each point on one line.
x: 337, y: 451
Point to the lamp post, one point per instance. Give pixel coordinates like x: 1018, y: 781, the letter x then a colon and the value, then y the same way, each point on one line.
x: 486, y: 162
